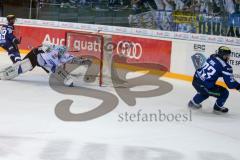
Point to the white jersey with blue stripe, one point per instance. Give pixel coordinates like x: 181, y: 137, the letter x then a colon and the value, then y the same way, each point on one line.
x: 52, y: 60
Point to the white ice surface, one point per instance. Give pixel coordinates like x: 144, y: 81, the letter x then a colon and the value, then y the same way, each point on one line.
x: 30, y: 130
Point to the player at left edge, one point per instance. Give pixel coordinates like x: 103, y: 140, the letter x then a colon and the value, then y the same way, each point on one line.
x: 8, y: 41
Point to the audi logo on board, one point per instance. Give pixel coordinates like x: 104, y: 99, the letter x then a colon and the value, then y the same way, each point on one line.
x: 129, y: 49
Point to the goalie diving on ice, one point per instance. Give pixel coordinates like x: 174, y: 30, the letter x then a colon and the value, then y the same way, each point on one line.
x: 50, y: 58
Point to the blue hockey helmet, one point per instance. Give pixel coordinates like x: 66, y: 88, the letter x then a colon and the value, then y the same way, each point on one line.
x: 11, y: 18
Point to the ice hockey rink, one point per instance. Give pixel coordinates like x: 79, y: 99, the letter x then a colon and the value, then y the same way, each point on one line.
x: 30, y: 130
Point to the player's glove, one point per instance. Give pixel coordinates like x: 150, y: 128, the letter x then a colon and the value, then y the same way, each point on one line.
x: 16, y: 41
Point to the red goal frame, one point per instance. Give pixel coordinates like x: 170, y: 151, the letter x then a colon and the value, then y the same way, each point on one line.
x: 92, y: 34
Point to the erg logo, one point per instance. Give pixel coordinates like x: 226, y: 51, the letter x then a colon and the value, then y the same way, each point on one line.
x: 199, y: 47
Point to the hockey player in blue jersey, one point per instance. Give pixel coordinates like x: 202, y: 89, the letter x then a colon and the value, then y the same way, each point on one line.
x: 205, y: 78
x: 8, y: 41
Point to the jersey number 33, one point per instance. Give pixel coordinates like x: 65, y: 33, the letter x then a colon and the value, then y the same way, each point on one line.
x: 3, y: 34
x: 207, y: 71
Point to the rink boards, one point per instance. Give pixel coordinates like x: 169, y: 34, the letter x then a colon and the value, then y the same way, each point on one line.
x: 179, y: 53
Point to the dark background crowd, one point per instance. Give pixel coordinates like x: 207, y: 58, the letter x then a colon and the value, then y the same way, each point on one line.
x: 203, y: 6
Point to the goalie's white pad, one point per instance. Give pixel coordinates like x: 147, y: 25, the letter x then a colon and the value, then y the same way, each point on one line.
x: 64, y: 76
x: 15, y: 70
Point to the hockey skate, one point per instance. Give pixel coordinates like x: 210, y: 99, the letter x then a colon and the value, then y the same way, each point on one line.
x: 219, y: 110
x: 193, y: 105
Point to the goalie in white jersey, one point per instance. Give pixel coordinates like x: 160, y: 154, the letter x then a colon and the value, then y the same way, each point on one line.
x: 50, y: 57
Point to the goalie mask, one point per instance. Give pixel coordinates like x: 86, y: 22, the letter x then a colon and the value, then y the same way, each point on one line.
x: 47, y: 47
x: 61, y: 50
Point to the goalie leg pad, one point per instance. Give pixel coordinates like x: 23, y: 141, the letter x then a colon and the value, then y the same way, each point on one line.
x: 15, y: 70
x: 26, y: 65
x: 64, y: 77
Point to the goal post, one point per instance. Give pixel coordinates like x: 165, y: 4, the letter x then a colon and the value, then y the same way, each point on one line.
x: 95, y: 45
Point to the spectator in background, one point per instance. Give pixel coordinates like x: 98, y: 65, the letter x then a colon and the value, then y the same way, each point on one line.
x: 118, y: 4
x: 237, y: 6
x: 144, y: 5
x: 164, y: 19
x: 160, y: 5
x: 187, y: 4
x: 169, y: 5
x: 196, y: 5
x: 229, y: 6
x: 217, y: 8
x: 204, y: 6
x: 114, y: 3
x: 138, y: 5
x: 179, y: 4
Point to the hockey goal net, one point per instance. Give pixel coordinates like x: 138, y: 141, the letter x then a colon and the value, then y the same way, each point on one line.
x: 96, y: 47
